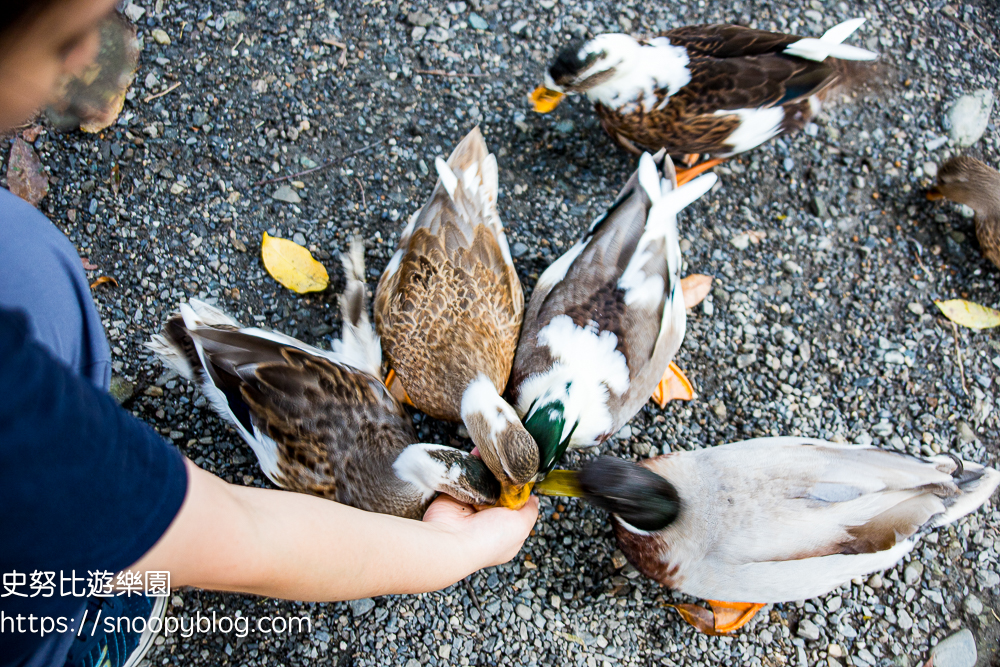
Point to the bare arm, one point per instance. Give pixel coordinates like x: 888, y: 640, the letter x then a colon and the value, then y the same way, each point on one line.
x: 294, y: 546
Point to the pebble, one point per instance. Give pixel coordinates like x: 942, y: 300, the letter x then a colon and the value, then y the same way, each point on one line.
x: 523, y: 611
x: 808, y: 630
x: 875, y: 581
x: 361, y: 607
x: 624, y: 433
x: 744, y: 360
x: 965, y: 433
x: 916, y: 308
x: 518, y: 249
x: 972, y: 605
x: 904, y: 621
x: 741, y: 241
x: 437, y: 34
x: 958, y: 650
x: 421, y: 19
x: 478, y: 22
x: 160, y: 36
x: 970, y: 116
x: 930, y: 169
x: 287, y: 194
x: 913, y: 572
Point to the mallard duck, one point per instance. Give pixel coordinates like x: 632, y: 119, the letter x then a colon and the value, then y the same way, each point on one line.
x: 320, y: 422
x: 606, y: 318
x: 968, y: 181
x: 772, y: 519
x: 449, y: 307
x: 703, y: 89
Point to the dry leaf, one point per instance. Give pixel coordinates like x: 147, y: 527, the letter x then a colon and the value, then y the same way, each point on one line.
x: 292, y: 265
x: 968, y: 314
x: 24, y: 173
x: 87, y: 266
x: 31, y: 133
x: 695, y: 287
x: 102, y: 280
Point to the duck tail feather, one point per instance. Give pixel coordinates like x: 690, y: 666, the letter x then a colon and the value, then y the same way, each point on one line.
x: 976, y: 483
x: 830, y: 45
x: 359, y: 343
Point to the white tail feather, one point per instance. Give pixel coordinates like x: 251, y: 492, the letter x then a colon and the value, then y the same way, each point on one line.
x: 830, y: 46
x: 649, y: 177
x: 170, y: 355
x: 974, y: 493
x: 359, y: 344
x: 675, y: 201
x: 447, y: 176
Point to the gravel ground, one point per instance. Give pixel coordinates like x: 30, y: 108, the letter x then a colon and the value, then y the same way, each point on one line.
x: 824, y: 326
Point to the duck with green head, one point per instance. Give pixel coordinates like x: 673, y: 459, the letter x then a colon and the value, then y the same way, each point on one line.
x: 606, y: 318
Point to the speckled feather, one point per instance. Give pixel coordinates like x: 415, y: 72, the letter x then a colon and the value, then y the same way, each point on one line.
x: 453, y: 306
x: 968, y: 181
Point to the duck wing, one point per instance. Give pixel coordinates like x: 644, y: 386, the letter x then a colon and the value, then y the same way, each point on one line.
x: 779, y: 519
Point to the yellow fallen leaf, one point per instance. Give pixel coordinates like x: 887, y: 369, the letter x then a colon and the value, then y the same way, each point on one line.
x: 969, y: 314
x: 695, y: 288
x: 292, y: 265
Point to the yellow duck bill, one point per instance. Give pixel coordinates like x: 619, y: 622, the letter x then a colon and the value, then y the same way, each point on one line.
x: 545, y: 99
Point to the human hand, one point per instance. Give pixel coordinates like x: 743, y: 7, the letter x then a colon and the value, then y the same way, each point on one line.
x: 489, y: 537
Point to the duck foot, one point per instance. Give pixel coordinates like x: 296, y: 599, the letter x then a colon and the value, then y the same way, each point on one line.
x: 673, y: 386
x: 723, y: 619
x: 685, y: 175
x: 395, y: 388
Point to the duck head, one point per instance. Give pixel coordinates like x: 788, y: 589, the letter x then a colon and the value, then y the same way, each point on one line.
x: 636, y: 495
x: 505, y: 446
x: 612, y: 68
x: 968, y: 181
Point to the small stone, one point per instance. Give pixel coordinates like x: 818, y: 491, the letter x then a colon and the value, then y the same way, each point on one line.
x: 641, y: 448
x: 882, y: 429
x: 904, y: 621
x: 744, y: 360
x: 618, y: 559
x: 965, y: 433
x: 478, y: 22
x: 916, y: 308
x: 437, y: 34
x: 134, y: 12
x: 564, y: 126
x: 518, y: 249
x: 791, y: 267
x: 814, y: 402
x: 422, y: 19
x: 969, y: 117
x: 286, y: 194
x: 121, y: 389
x: 418, y: 33
x: 160, y: 36
x: 875, y: 581
x: 456, y: 8
x: 177, y: 188
x: 519, y: 28
x: 958, y: 650
x: 720, y: 410
x: 913, y: 572
x: 624, y: 433
x: 444, y: 651
x: 834, y: 603
x: 361, y: 607
x: 153, y: 391
x: 808, y: 630
x: 930, y: 169
x: 523, y: 611
x: 151, y: 81
x: 972, y: 605
x: 741, y: 241
x: 835, y: 651
x: 895, y: 357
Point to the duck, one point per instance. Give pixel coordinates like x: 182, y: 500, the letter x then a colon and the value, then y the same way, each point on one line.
x: 449, y: 308
x: 320, y: 422
x: 606, y: 318
x: 968, y: 181
x: 772, y: 519
x: 717, y: 90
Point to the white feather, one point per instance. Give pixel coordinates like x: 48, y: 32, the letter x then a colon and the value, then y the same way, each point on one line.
x: 586, y: 366
x: 829, y: 45
x: 481, y: 397
x: 425, y: 472
x: 447, y: 176
x: 756, y: 126
x: 639, y: 70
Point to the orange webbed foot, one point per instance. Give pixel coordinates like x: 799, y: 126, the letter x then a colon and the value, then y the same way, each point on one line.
x: 673, y: 386
x: 685, y: 175
x: 724, y: 618
x: 395, y: 388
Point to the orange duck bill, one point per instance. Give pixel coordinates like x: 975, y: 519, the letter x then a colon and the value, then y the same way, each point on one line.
x: 545, y: 99
x: 723, y: 619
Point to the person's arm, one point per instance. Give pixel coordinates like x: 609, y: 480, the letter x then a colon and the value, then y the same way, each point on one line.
x: 294, y: 546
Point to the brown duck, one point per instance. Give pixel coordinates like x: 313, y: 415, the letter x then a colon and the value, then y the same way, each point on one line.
x: 705, y: 89
x: 968, y: 181
x: 449, y: 308
x: 320, y: 422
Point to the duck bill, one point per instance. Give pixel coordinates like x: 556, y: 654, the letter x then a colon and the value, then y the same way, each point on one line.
x: 564, y: 483
x: 545, y: 99
x: 934, y: 194
x: 514, y: 496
